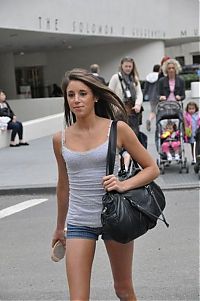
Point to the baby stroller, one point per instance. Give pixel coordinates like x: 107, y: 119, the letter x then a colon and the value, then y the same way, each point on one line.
x: 170, y: 110
x: 197, y: 152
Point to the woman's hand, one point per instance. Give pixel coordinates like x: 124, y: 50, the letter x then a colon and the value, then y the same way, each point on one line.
x: 14, y: 118
x: 111, y: 182
x: 58, y: 235
x: 163, y: 98
x: 178, y: 98
x: 136, y: 108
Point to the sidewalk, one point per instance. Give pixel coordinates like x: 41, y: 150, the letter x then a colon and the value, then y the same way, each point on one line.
x: 28, y: 167
x: 33, y: 167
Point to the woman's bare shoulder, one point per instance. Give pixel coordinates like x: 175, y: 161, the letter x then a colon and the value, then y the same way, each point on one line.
x: 121, y: 125
x: 124, y: 131
x: 57, y: 137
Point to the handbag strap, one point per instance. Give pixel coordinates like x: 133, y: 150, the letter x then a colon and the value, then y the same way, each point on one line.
x: 155, y: 200
x: 120, y: 79
x: 110, y: 163
x: 112, y: 144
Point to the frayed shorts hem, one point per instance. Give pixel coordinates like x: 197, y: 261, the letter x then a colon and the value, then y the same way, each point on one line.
x: 85, y: 232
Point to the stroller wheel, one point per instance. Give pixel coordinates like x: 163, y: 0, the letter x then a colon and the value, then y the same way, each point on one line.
x: 186, y: 166
x: 162, y: 169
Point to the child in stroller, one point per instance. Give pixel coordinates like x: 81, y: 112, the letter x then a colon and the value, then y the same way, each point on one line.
x: 170, y: 140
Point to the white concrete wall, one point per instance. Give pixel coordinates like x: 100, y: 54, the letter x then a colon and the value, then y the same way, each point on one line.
x: 7, y: 73
x: 146, y: 22
x: 34, y: 129
x: 108, y: 56
x: 31, y: 59
x: 117, y: 18
x: 186, y: 50
x: 182, y: 18
x: 28, y: 109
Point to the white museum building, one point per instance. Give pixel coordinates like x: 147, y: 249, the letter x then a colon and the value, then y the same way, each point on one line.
x: 42, y: 39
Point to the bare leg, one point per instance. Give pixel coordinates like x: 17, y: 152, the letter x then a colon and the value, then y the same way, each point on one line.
x: 148, y: 122
x: 121, y: 258
x: 151, y: 116
x: 79, y: 259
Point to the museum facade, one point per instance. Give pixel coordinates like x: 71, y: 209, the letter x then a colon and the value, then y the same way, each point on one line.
x: 45, y: 38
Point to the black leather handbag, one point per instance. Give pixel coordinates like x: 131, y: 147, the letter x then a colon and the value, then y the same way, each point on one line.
x: 128, y: 215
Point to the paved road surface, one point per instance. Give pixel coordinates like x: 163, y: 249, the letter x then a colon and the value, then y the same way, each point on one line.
x: 165, y: 264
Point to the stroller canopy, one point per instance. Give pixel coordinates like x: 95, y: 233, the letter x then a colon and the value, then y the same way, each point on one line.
x: 169, y: 110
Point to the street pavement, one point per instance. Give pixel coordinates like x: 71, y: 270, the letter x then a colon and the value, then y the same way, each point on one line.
x: 34, y: 167
x: 165, y: 267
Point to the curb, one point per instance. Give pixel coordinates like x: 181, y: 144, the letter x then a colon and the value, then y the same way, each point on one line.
x: 188, y: 186
x: 40, y: 189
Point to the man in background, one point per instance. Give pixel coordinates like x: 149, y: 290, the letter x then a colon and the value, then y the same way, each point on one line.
x: 94, y: 68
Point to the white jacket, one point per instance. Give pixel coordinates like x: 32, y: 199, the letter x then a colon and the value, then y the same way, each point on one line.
x: 115, y: 85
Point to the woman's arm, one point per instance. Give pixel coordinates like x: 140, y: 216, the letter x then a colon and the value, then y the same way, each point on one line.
x: 11, y: 113
x: 146, y: 88
x: 185, y: 119
x: 198, y: 121
x: 161, y: 92
x: 127, y: 139
x: 113, y: 83
x: 139, y: 95
x: 62, y: 191
x: 182, y: 89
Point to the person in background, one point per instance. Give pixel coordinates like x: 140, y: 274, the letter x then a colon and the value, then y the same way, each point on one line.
x: 13, y: 124
x: 150, y: 92
x: 81, y: 152
x: 95, y: 69
x: 57, y: 92
x: 127, y: 86
x: 164, y: 59
x: 192, y: 123
x: 171, y: 87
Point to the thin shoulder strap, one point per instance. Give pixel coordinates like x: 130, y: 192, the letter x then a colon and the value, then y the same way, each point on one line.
x: 63, y: 131
x: 120, y: 79
x: 63, y: 137
x: 112, y: 144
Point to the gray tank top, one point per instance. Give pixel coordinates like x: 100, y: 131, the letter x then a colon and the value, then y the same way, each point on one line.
x: 85, y: 173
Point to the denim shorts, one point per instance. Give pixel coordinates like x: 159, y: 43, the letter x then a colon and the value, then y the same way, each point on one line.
x: 73, y: 231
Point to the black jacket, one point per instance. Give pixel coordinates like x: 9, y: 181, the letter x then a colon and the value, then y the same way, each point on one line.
x: 7, y: 111
x: 164, y: 90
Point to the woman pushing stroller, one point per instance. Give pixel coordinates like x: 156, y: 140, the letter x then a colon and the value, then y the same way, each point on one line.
x: 171, y: 93
x: 171, y: 87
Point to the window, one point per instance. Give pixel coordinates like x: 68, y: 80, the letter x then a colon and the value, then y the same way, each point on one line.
x: 29, y: 81
x: 196, y: 59
x: 181, y: 60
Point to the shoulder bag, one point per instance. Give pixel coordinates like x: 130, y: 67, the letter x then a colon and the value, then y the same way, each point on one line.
x: 128, y: 215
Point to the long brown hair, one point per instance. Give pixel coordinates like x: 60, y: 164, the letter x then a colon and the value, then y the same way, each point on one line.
x: 109, y: 104
x: 134, y: 72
